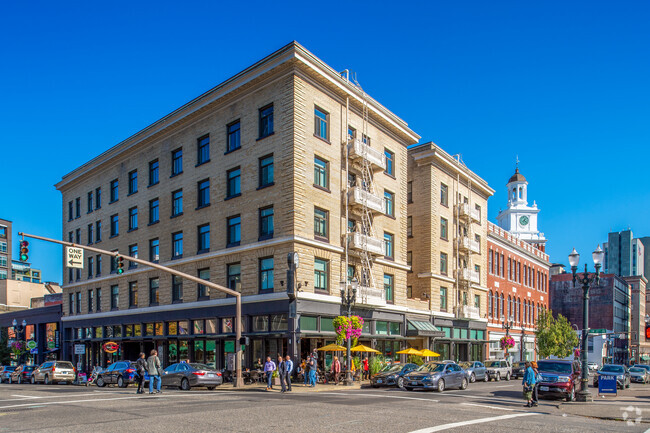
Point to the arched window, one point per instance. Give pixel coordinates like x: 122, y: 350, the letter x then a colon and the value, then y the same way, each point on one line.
x: 509, y: 311
x: 497, y: 310
x: 490, y: 303
x: 519, y: 310
x: 525, y: 311
x: 502, y: 306
x: 520, y: 191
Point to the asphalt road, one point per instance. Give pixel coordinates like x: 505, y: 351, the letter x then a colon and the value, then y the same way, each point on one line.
x: 484, y: 407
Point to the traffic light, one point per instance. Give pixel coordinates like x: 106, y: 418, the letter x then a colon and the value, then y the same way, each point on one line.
x: 120, y: 265
x: 24, y: 251
x: 647, y: 332
x: 245, y: 341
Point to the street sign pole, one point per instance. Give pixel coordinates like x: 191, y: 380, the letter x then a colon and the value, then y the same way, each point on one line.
x: 239, y: 382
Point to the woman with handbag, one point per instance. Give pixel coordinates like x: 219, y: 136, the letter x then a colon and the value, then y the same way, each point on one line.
x: 529, y: 383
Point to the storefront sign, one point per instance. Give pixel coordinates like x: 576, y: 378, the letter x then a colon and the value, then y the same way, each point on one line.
x: 110, y: 347
x: 33, y: 351
x: 79, y: 349
x: 51, y: 344
x: 607, y: 384
x: 31, y: 344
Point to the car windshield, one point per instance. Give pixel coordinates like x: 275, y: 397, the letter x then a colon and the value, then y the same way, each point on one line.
x: 10, y: 368
x: 554, y: 367
x: 28, y: 368
x: 431, y: 368
x: 637, y: 370
x: 493, y: 364
x: 199, y: 366
x: 612, y: 369
x: 520, y: 364
x: 466, y: 364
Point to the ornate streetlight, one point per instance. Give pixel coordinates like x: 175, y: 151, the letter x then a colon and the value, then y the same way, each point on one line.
x: 348, y: 298
x: 585, y: 281
x: 507, y: 325
x: 19, y: 331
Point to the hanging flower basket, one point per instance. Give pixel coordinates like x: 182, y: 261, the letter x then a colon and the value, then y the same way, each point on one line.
x: 507, y: 343
x: 348, y: 328
x: 18, y: 347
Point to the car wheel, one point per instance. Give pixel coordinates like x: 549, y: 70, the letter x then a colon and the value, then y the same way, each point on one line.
x: 120, y: 382
x: 185, y: 385
x: 10, y: 381
x: 100, y: 382
x: 400, y: 382
x: 441, y: 385
x: 498, y: 377
x: 508, y: 376
x: 486, y: 378
x: 463, y: 384
x: 46, y: 381
x: 374, y: 386
x: 572, y: 395
x: 472, y: 378
x: 33, y: 380
x: 211, y: 388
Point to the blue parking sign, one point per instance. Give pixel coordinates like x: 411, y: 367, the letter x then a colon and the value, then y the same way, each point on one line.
x: 607, y: 384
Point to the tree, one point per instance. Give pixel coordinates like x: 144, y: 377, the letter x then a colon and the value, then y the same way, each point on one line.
x: 5, y: 351
x: 555, y: 336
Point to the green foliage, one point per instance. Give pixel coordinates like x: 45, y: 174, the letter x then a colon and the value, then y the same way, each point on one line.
x: 555, y: 336
x: 376, y: 363
x: 5, y: 351
x: 347, y: 328
x: 415, y: 359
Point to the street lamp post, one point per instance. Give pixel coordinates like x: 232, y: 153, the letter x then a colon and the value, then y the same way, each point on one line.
x: 585, y: 280
x: 348, y: 298
x: 20, y: 330
x: 507, y: 325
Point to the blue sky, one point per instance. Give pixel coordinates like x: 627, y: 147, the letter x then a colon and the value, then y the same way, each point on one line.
x: 564, y: 85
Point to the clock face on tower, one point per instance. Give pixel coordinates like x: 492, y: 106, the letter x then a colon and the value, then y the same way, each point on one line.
x: 523, y: 221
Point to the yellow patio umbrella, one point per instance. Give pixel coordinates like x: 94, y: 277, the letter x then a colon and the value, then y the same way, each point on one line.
x: 427, y: 352
x: 362, y: 348
x: 410, y: 351
x: 331, y: 348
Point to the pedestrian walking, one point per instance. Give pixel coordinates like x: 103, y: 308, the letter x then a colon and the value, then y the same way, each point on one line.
x: 269, y: 368
x: 529, y: 383
x: 312, y: 371
x: 538, y: 379
x: 289, y: 368
x: 154, y: 369
x: 366, y: 369
x: 305, y: 369
x: 282, y: 373
x: 141, y: 368
x: 336, y: 369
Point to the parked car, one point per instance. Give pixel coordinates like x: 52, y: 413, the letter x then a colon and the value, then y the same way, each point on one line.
x: 639, y: 375
x: 393, y: 375
x: 436, y: 376
x: 593, y: 367
x: 518, y: 369
x: 54, y: 371
x: 22, y: 374
x: 120, y: 373
x: 559, y: 378
x: 644, y: 366
x: 475, y: 370
x: 499, y: 369
x: 5, y: 372
x: 185, y: 375
x: 620, y: 371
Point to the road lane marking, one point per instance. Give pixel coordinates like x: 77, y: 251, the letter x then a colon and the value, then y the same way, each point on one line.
x: 23, y: 396
x: 472, y: 422
x: 30, y: 397
x: 485, y: 405
x: 380, y: 395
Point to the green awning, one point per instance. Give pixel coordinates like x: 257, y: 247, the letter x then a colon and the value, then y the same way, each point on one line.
x: 420, y: 328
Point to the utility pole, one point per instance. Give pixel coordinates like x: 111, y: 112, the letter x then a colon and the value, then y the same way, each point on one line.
x: 239, y: 382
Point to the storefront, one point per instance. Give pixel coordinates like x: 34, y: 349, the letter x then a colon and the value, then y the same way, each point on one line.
x: 41, y: 333
x: 463, y: 340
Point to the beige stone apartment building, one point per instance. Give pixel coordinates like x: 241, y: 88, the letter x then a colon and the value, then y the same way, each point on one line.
x: 287, y: 156
x: 447, y: 249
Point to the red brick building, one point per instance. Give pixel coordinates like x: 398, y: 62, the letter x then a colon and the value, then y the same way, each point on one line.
x: 517, y: 277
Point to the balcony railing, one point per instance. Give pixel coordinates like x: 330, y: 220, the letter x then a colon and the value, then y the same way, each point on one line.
x: 465, y: 211
x: 360, y: 197
x: 371, y: 296
x: 467, y: 244
x: 358, y: 149
x: 469, y: 275
x: 357, y: 241
x: 469, y: 312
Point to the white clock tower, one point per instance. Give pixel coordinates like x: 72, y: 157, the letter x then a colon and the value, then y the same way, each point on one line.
x: 519, y: 218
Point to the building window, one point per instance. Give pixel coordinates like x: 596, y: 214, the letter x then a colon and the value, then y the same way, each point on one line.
x: 321, y: 120
x: 115, y: 297
x: 490, y: 303
x: 177, y: 289
x: 266, y: 121
x: 177, y: 161
x: 133, y: 182
x: 133, y: 218
x: 409, y: 259
x: 233, y: 139
x: 70, y: 212
x: 91, y: 232
x: 443, y: 263
x: 133, y: 294
x: 321, y: 173
x: 233, y: 271
x: 477, y: 269
x: 177, y: 203
x: 203, y: 238
x: 203, y: 198
x: 478, y: 210
x: 78, y: 303
x: 389, y: 246
x: 321, y: 275
x: 321, y: 223
x: 77, y: 236
x: 153, y: 291
x: 99, y: 300
x: 71, y: 303
x: 115, y: 191
x: 491, y: 262
x: 266, y: 274
x: 98, y: 198
x: 77, y: 206
x: 234, y: 231
x: 177, y: 245
x: 90, y: 202
x: 389, y: 287
x: 409, y: 192
x: 154, y: 250
x: 444, y: 228
x: 390, y: 162
x: 444, y: 195
x: 91, y: 266
x: 98, y: 265
x: 389, y: 203
x: 153, y: 172
x: 409, y: 226
x: 202, y: 290
x: 266, y: 223
x: 233, y: 188
x: 203, y: 150
x: 266, y: 171
x: 91, y: 300
x: 154, y: 215
x: 443, y: 299
x: 115, y: 228
x: 133, y: 252
x: 409, y: 292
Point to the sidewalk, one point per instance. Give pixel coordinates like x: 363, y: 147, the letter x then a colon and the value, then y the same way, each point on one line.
x: 296, y: 388
x: 629, y: 405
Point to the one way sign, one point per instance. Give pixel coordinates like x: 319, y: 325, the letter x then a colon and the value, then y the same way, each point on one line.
x: 74, y: 257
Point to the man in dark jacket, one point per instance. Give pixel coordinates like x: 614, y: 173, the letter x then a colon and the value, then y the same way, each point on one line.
x: 154, y: 368
x: 141, y: 366
x: 282, y: 372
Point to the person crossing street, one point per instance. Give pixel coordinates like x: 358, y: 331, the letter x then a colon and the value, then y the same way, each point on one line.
x: 269, y: 368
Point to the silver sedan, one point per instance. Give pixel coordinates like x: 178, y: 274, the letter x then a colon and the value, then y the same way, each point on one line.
x: 185, y: 375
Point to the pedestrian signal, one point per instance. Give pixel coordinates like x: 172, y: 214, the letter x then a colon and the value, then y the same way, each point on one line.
x: 24, y: 251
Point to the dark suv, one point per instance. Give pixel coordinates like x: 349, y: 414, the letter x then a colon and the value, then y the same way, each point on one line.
x: 559, y: 378
x: 121, y: 373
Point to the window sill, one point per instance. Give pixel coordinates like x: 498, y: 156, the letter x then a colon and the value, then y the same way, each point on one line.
x: 131, y: 193
x: 445, y: 239
x: 153, y: 304
x: 152, y: 184
x: 131, y: 230
x: 232, y: 196
x: 321, y: 238
x: 392, y: 259
x: 98, y: 275
x: 198, y: 164
x: 445, y: 205
x: 113, y: 201
x: 153, y: 223
x: 77, y: 217
x: 203, y: 251
x: 180, y: 256
x: 265, y: 237
x: 322, y: 188
x: 89, y: 212
x: 176, y: 215
x: 231, y: 150
x: 203, y: 206
x: 409, y: 202
x: 115, y: 309
x: 390, y: 216
x: 132, y: 307
x: 203, y: 298
x: 267, y: 135
x: 98, y: 242
x: 265, y: 186
x: 392, y: 176
x: 321, y: 291
x: 233, y: 244
x: 322, y: 139
x: 175, y: 174
x: 177, y: 301
x: 114, y: 236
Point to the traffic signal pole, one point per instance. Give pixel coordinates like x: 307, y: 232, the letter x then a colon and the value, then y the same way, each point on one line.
x: 238, y: 382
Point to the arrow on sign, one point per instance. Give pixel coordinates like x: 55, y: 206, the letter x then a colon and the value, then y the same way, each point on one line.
x: 72, y: 263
